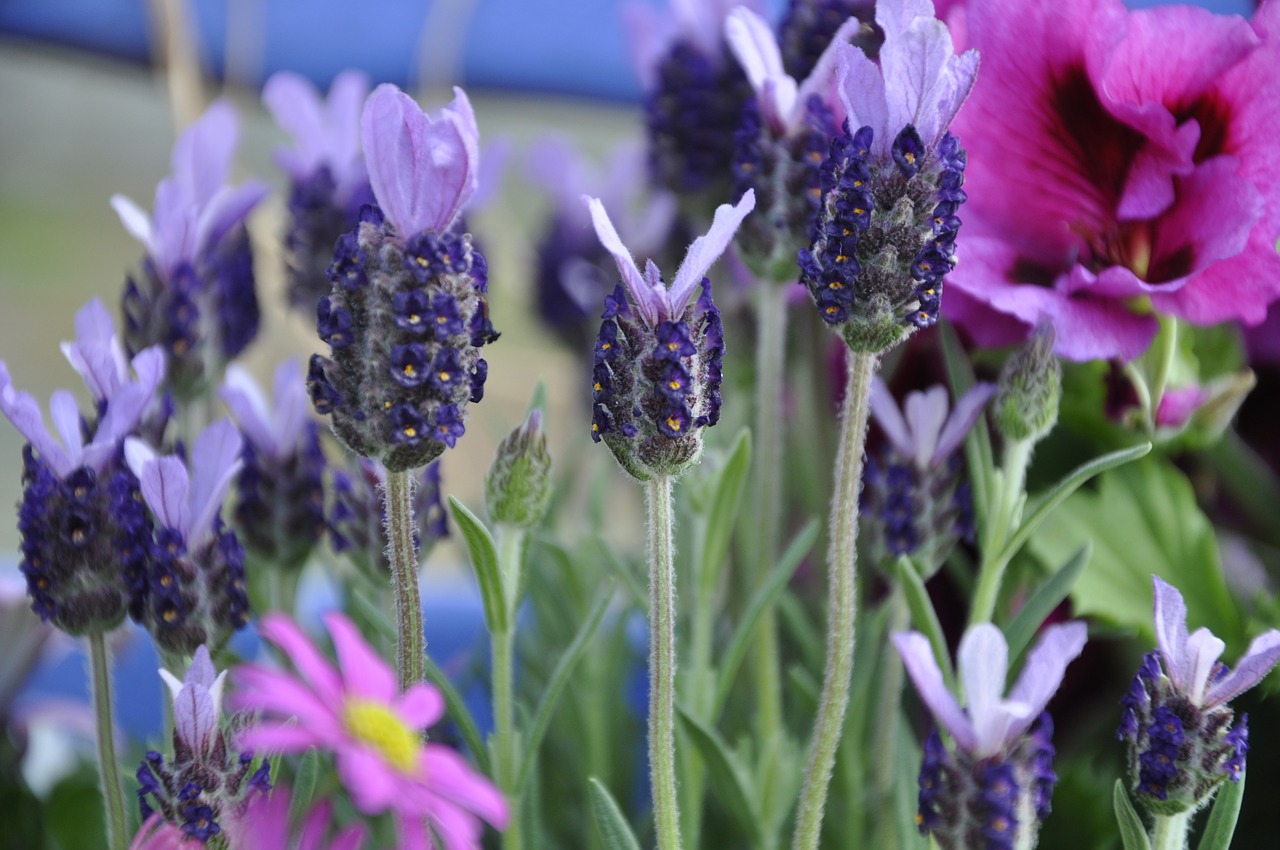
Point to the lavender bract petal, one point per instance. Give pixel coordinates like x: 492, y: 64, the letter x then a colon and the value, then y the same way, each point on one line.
x: 165, y: 485
x: 922, y: 667
x: 640, y: 292
x: 23, y: 411
x: 885, y: 411
x: 753, y: 43
x: 1047, y: 663
x: 926, y: 412
x: 862, y: 92
x: 135, y: 220
x: 201, y: 672
x: 244, y: 398
x: 66, y: 419
x: 202, y: 155
x: 1171, y: 629
x: 227, y: 209
x: 296, y: 106
x: 983, y: 662
x: 215, y: 460
x: 961, y: 420
x: 1203, y: 651
x: 705, y: 250
x: 291, y: 403
x: 1262, y: 655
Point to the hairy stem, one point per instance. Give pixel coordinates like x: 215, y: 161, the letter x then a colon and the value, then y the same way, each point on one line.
x: 662, y: 661
x: 108, y: 768
x: 410, y: 641
x: 1170, y: 831
x: 841, y: 578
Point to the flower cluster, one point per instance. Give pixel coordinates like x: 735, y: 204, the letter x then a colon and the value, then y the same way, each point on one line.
x: 407, y: 315
x: 357, y: 518
x: 809, y: 27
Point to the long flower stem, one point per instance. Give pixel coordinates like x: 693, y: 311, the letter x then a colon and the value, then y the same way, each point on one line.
x: 662, y: 661
x: 841, y: 601
x: 1004, y: 519
x: 1170, y: 831
x: 508, y: 766
x: 108, y: 768
x: 410, y: 641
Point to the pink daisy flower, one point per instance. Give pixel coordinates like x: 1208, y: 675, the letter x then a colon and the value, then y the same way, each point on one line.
x: 265, y: 825
x: 374, y: 732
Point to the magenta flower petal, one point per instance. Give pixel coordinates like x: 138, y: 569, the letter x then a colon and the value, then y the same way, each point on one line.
x: 452, y: 778
x: 364, y: 673
x: 319, y: 674
x: 286, y: 738
x: 420, y: 707
x: 276, y: 692
x: 370, y: 781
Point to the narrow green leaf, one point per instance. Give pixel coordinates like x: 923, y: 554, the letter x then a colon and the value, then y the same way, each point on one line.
x: 764, y: 596
x: 728, y: 777
x: 1132, y: 832
x: 630, y: 578
x: 559, y: 678
x: 1045, y: 503
x: 614, y: 829
x: 729, y: 486
x: 304, y: 784
x: 924, y: 618
x: 484, y: 559
x: 459, y: 714
x: 1222, y: 818
x: 1047, y: 597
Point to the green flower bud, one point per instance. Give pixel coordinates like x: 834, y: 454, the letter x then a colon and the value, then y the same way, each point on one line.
x: 1026, y: 403
x: 518, y: 486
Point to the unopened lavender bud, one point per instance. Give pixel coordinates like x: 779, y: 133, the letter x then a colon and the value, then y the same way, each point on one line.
x: 1026, y: 402
x: 517, y: 489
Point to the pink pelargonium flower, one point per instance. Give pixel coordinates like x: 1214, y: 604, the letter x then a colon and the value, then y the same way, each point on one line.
x: 423, y: 170
x: 355, y: 712
x: 1118, y: 161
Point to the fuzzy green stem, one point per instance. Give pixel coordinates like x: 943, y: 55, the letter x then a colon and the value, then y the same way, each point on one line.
x: 1005, y: 517
x: 662, y: 661
x: 507, y: 756
x: 1167, y: 342
x: 841, y: 596
x: 108, y: 768
x: 410, y: 641
x: 1170, y: 831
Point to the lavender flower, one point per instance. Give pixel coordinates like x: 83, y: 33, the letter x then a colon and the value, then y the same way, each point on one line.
x: 328, y: 181
x: 202, y: 783
x: 280, y: 514
x: 357, y: 518
x: 918, y: 499
x: 884, y: 236
x: 1182, y: 744
x: 78, y: 517
x: 407, y: 314
x: 809, y: 26
x: 657, y: 365
x: 195, y: 294
x: 195, y: 587
x: 992, y: 792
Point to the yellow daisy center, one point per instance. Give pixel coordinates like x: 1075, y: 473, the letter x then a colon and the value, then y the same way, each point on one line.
x: 374, y: 724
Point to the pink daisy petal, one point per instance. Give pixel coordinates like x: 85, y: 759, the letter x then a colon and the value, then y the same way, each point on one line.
x: 314, y: 667
x: 286, y: 737
x: 420, y: 707
x: 364, y: 673
x: 374, y: 786
x: 452, y: 778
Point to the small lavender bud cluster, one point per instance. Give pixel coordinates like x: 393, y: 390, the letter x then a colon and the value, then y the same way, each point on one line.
x: 203, y: 316
x: 404, y: 324
x: 992, y: 803
x: 316, y: 221
x: 655, y: 389
x: 785, y: 172
x: 517, y: 489
x: 1026, y: 403
x: 280, y: 515
x: 913, y: 511
x: 1179, y: 752
x: 79, y: 554
x: 809, y: 25
x: 357, y: 518
x: 884, y: 237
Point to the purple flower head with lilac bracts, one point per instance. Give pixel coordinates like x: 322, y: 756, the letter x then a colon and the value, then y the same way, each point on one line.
x: 79, y: 517
x: 280, y: 513
x: 993, y: 791
x: 328, y: 181
x: 1122, y: 167
x: 694, y: 92
x: 202, y: 785
x: 658, y: 357
x: 809, y: 27
x: 917, y: 497
x: 195, y: 293
x: 781, y: 142
x: 194, y: 591
x: 1182, y: 743
x: 408, y: 314
x: 357, y: 519
x: 885, y: 232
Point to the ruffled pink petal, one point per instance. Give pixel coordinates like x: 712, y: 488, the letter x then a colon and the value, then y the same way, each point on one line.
x: 364, y: 673
x: 1239, y: 287
x: 322, y: 676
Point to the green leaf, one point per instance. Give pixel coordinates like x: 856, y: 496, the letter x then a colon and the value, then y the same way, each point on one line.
x: 304, y: 784
x: 484, y: 558
x: 459, y: 714
x: 1044, y: 504
x: 924, y: 618
x: 729, y: 486
x: 1142, y: 519
x: 1221, y: 825
x: 1047, y: 597
x: 1132, y: 832
x: 764, y: 596
x: 729, y: 778
x: 559, y: 678
x: 614, y: 829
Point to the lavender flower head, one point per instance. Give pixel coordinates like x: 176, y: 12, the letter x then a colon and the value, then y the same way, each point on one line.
x: 195, y: 293
x: 194, y: 590
x: 79, y: 514
x: 1182, y: 744
x: 328, y: 181
x: 885, y: 232
x: 357, y: 520
x: 809, y: 26
x: 408, y: 314
x: 781, y: 142
x: 993, y: 791
x: 917, y: 497
x: 658, y: 357
x: 280, y: 513
x: 202, y: 783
